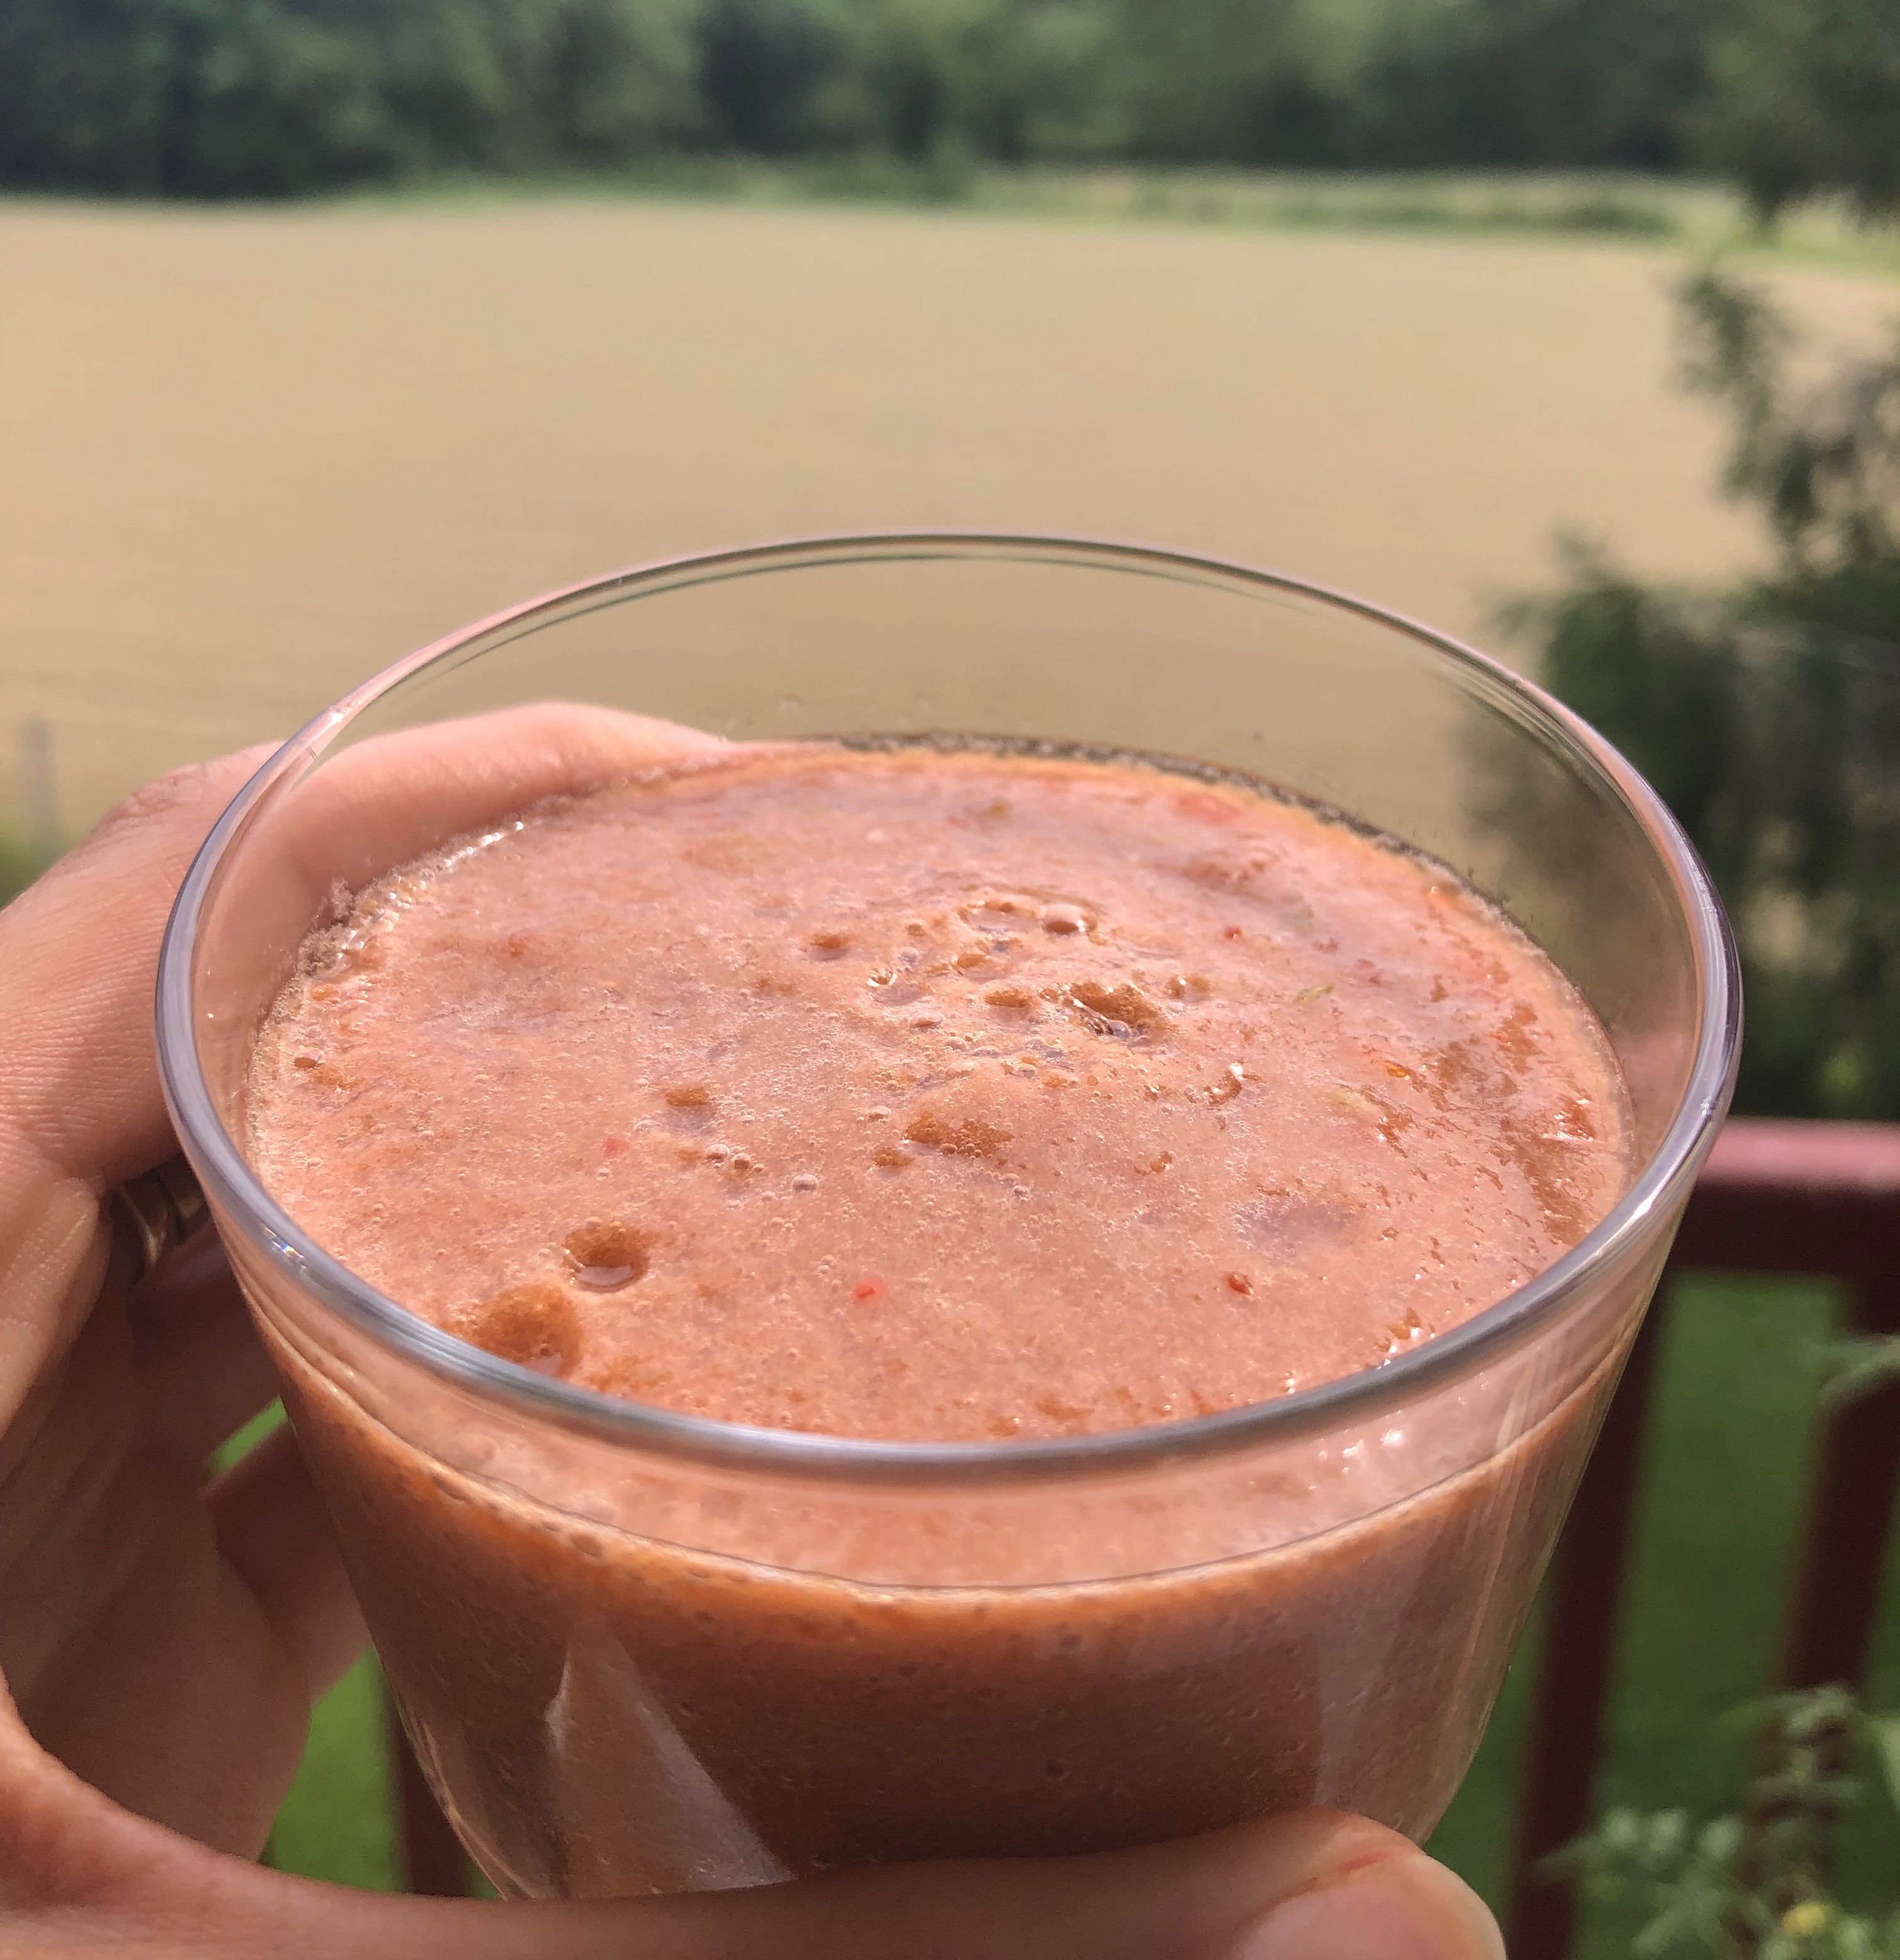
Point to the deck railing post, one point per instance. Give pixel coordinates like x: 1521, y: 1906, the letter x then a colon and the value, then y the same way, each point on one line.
x: 1583, y: 1599
x: 1835, y: 1592
x: 1796, y: 1198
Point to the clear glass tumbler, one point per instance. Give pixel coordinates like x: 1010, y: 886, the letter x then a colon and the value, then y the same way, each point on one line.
x: 642, y: 1651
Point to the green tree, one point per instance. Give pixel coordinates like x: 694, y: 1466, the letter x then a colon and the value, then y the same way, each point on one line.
x: 1003, y: 80
x: 618, y: 79
x: 762, y: 64
x: 1804, y: 98
x: 1767, y: 714
x: 1236, y: 81
x: 1552, y: 82
x: 509, y: 84
x: 223, y: 98
x: 192, y: 97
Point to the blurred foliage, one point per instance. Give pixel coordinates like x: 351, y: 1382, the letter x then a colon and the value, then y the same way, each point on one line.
x: 1754, y: 1884
x: 1385, y: 84
x: 214, y: 98
x: 1768, y: 715
x: 1805, y: 96
x: 218, y: 98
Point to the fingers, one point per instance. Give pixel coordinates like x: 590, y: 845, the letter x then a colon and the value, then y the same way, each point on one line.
x: 1407, y: 1909
x: 78, y: 951
x: 392, y: 797
x: 274, y: 1532
x: 1313, y: 1887
x: 81, y: 1109
x: 188, y: 1700
x: 203, y: 1374
x: 80, y: 1105
x: 177, y: 1699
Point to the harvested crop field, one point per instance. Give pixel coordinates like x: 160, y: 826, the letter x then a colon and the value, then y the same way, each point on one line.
x: 251, y: 457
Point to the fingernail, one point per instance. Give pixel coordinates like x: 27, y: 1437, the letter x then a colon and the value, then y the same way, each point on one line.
x: 1405, y: 1908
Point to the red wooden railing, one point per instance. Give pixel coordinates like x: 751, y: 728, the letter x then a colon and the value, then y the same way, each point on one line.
x: 1821, y: 1198
x: 1813, y: 1198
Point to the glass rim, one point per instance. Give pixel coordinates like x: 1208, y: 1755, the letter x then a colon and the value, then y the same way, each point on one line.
x: 588, y: 1413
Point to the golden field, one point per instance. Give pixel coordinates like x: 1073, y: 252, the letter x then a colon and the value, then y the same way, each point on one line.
x: 250, y: 456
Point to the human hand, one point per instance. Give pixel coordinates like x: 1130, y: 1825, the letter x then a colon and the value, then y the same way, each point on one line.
x: 162, y: 1639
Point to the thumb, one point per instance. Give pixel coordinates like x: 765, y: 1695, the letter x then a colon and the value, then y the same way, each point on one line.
x: 1314, y: 1886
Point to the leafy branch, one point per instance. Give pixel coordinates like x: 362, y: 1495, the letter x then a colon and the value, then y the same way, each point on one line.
x: 1767, y: 713
x: 1754, y: 1885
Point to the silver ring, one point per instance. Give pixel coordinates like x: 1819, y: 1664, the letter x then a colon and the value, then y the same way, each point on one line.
x: 156, y: 1210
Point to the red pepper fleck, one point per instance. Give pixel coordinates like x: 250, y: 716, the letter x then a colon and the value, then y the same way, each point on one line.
x: 1208, y: 809
x: 872, y: 1288
x: 1241, y: 1284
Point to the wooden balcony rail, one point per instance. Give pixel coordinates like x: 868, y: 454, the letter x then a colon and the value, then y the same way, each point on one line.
x: 1820, y: 1198
x: 1795, y: 1198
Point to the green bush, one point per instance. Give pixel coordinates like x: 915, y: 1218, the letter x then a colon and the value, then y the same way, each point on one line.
x: 1767, y: 714
x: 1755, y: 1884
x: 1805, y: 98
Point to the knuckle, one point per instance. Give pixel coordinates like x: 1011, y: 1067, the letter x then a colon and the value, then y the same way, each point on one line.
x: 183, y: 799
x: 181, y: 789
x: 188, y: 797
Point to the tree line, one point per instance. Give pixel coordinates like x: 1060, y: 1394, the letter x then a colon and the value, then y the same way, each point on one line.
x: 247, y: 98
